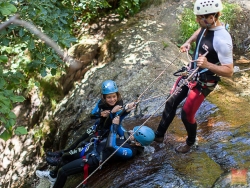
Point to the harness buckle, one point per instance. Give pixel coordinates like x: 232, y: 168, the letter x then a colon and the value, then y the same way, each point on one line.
x: 85, y: 160
x: 181, y: 72
x: 192, y: 84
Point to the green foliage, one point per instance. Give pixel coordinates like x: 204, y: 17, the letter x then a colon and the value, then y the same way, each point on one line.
x: 165, y: 45
x: 23, y: 56
x: 188, y: 25
x: 7, y: 8
x: 91, y: 8
x: 229, y: 13
x: 26, y: 61
x: 7, y: 117
x: 21, y: 130
x: 128, y: 7
x: 38, y: 134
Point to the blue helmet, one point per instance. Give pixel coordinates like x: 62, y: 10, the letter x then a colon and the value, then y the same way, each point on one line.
x: 144, y: 135
x: 109, y: 86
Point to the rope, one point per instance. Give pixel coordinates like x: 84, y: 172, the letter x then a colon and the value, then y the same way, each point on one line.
x: 242, y: 70
x: 190, y: 60
x: 152, y: 97
x: 188, y: 57
x: 157, y: 77
x: 177, y: 89
x: 197, y: 47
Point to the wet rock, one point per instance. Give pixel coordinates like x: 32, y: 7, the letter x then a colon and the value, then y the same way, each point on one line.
x: 243, y: 60
x: 137, y: 53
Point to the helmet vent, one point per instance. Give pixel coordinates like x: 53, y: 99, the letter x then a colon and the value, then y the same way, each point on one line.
x: 140, y: 134
x: 202, y: 7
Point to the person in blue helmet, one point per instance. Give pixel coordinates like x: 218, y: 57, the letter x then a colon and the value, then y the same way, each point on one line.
x: 109, y: 106
x: 97, y: 152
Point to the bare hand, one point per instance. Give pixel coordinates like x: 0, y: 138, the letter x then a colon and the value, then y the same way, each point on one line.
x: 116, y: 109
x: 105, y: 113
x: 130, y: 106
x: 185, y: 47
x: 116, y: 120
x: 202, y: 61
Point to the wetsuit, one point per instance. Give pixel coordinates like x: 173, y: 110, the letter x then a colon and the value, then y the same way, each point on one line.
x: 95, y: 153
x: 100, y: 128
x: 218, y: 43
x: 104, y: 123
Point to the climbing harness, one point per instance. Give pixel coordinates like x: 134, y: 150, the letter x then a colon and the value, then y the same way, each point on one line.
x: 91, y: 130
x: 237, y: 69
x: 92, y: 153
x: 85, y: 158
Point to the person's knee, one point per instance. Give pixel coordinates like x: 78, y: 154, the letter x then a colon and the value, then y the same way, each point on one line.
x: 187, y: 118
x: 62, y: 173
x: 183, y: 116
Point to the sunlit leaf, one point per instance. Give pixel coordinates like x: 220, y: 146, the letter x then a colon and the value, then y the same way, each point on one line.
x: 9, y: 124
x: 21, y: 32
x: 52, y: 65
x: 2, y: 82
x: 5, y: 102
x: 31, y: 44
x: 21, y: 130
x: 12, y: 115
x: 43, y: 72
x: 2, y: 97
x: 17, y: 98
x: 7, y: 8
x: 3, y: 58
x: 3, y: 120
x: 5, y: 135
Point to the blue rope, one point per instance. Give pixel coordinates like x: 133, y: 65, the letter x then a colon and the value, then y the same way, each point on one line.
x: 197, y: 49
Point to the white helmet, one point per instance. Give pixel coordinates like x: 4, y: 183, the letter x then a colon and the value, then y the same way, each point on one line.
x: 202, y: 7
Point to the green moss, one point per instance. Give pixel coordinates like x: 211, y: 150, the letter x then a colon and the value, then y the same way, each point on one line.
x: 233, y: 109
x: 199, y: 167
x: 240, y: 157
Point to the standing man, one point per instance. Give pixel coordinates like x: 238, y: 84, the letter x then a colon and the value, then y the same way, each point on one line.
x: 214, y: 57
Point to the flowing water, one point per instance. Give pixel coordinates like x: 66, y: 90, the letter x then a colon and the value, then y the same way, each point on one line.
x: 222, y: 149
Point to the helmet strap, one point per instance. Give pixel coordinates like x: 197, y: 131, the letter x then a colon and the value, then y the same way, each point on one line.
x: 205, y: 21
x: 209, y: 24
